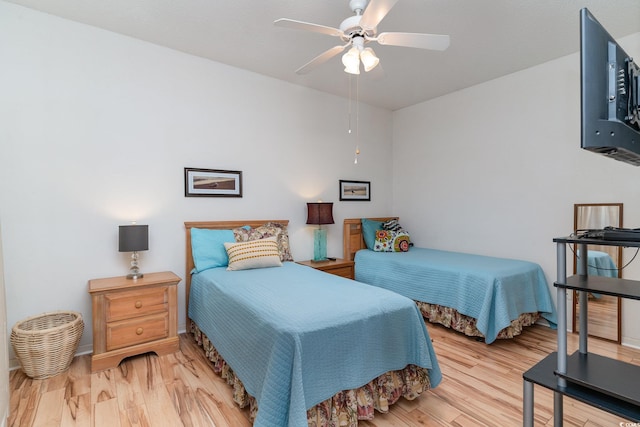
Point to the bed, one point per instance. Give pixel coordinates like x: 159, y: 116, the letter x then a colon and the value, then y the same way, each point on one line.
x: 601, y: 264
x: 290, y: 339
x: 486, y: 297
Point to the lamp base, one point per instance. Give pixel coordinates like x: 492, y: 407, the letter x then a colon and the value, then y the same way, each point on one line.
x: 319, y: 244
x: 134, y: 271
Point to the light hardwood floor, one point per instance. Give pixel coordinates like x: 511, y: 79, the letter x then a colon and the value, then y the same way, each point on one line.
x: 482, y: 386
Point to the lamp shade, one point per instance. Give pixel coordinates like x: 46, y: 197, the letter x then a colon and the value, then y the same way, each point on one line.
x: 133, y: 238
x: 369, y: 59
x: 351, y: 61
x: 320, y: 213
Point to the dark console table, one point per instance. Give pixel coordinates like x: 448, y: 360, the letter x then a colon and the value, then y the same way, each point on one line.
x: 607, y: 384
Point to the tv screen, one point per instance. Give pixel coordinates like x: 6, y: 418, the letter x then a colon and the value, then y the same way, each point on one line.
x: 610, y: 94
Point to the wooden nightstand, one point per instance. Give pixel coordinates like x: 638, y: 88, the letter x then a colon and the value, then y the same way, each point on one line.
x: 339, y: 267
x: 132, y: 317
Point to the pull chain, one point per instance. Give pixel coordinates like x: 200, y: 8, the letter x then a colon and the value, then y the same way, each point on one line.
x: 349, y: 104
x: 357, y: 120
x: 355, y: 160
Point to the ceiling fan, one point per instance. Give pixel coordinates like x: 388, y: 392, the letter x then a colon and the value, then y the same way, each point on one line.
x: 360, y: 29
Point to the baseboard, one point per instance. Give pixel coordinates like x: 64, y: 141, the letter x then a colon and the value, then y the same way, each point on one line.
x: 83, y: 349
x: 631, y: 342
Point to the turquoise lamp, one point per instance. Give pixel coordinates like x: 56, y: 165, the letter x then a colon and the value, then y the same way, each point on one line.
x: 320, y: 213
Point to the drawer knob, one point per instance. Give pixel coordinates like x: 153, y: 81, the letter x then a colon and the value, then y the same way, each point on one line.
x: 138, y: 304
x: 139, y: 331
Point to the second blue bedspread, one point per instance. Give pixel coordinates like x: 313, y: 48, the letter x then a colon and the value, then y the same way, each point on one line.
x: 492, y: 290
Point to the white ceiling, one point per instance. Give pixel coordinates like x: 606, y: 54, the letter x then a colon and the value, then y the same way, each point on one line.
x: 489, y: 38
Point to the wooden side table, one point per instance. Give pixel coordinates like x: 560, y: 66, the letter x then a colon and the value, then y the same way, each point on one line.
x: 132, y: 317
x: 339, y: 267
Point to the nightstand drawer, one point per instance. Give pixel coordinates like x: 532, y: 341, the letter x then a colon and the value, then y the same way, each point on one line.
x: 342, y: 271
x: 125, y: 305
x: 127, y: 333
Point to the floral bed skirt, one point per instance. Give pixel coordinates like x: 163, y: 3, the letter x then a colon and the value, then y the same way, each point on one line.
x: 451, y: 318
x: 344, y: 408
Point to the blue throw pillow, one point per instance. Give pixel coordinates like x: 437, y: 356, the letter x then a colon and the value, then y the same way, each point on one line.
x: 207, y: 248
x: 369, y: 228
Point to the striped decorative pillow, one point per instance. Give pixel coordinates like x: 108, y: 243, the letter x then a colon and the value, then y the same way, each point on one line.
x: 392, y: 225
x: 253, y: 254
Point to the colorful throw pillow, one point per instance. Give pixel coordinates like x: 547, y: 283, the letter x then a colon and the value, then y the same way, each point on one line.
x: 391, y: 241
x: 394, y: 225
x: 269, y: 229
x: 369, y: 228
x: 207, y: 248
x: 241, y: 234
x: 253, y: 254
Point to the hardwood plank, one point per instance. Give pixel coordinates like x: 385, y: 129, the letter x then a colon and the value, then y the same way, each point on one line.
x: 135, y: 416
x: 79, y: 378
x: 160, y: 406
x: 433, y: 411
x: 77, y: 410
x: 105, y: 413
x: 103, y: 386
x: 211, y: 392
x: 131, y: 404
x: 49, y: 408
x: 23, y: 402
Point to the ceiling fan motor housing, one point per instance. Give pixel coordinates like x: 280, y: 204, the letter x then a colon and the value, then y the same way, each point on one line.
x: 351, y: 26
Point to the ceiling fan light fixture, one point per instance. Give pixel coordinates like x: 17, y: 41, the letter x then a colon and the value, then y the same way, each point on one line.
x: 369, y: 59
x: 361, y: 28
x: 351, y: 61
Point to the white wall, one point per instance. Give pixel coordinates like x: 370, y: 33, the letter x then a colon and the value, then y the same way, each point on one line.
x: 96, y: 129
x: 496, y: 168
x: 4, y: 344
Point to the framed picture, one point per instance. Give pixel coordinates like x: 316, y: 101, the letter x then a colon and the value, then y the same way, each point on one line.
x: 355, y: 190
x: 212, y: 183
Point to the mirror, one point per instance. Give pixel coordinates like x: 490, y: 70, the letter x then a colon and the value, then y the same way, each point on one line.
x: 604, y: 313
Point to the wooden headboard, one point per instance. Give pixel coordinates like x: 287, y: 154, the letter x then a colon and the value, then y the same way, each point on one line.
x: 352, y: 239
x: 212, y: 225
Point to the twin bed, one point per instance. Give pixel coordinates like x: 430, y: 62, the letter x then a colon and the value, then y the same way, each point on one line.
x: 481, y: 296
x: 302, y: 347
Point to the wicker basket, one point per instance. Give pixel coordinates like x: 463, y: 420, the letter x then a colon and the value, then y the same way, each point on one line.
x: 45, y: 344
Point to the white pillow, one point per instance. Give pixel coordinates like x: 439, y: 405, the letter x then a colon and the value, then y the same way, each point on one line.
x: 253, y: 254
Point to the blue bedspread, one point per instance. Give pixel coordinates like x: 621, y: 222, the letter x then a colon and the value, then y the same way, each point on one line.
x: 296, y: 336
x: 492, y: 290
x: 600, y: 264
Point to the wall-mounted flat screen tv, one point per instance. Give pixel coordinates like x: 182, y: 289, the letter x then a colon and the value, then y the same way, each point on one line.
x: 610, y: 94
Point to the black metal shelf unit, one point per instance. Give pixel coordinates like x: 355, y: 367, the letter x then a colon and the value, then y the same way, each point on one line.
x: 602, y: 382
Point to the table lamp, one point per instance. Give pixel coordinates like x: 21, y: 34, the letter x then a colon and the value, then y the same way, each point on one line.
x: 320, y: 213
x: 133, y: 238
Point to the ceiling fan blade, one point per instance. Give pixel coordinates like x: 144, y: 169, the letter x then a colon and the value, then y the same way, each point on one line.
x: 420, y: 41
x: 306, y: 26
x: 321, y: 59
x: 375, y: 12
